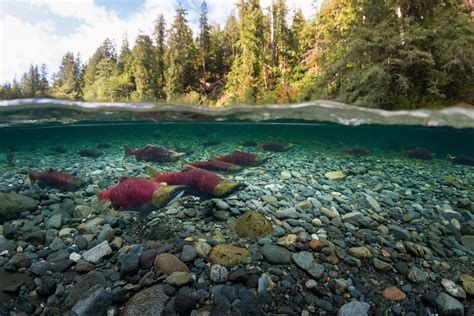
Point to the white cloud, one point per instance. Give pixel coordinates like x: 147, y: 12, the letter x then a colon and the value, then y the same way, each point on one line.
x: 24, y: 43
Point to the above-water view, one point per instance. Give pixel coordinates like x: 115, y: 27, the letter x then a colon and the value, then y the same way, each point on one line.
x: 237, y: 157
x: 193, y: 215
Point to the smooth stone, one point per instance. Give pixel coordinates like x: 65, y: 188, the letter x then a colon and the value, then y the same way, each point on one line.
x: 54, y: 222
x: 453, y: 289
x: 147, y: 258
x: 329, y: 212
x: 129, y: 263
x: 449, y: 306
x: 13, y: 204
x: 372, y: 203
x: 221, y: 205
x: 467, y: 282
x: 253, y: 224
x: 285, y: 175
x: 188, y: 253
x: 394, y: 294
x: 276, y: 254
x: 417, y: 275
x: 228, y: 255
x: 147, y: 302
x: 335, y: 175
x: 203, y: 249
x: 168, y: 263
x: 81, y: 211
x: 399, y: 233
x: 94, y: 301
x: 179, y: 278
x: 354, y: 308
x: 305, y: 260
x: 94, y: 255
x: 360, y: 252
x: 468, y: 241
x: 382, y: 265
x: 269, y: 199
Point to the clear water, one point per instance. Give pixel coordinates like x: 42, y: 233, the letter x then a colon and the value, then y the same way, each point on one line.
x: 320, y: 133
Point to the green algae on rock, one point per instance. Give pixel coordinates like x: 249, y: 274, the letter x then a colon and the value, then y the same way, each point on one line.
x: 228, y: 255
x: 253, y: 224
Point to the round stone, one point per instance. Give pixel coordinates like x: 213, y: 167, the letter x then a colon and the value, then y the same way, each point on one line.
x: 168, y: 263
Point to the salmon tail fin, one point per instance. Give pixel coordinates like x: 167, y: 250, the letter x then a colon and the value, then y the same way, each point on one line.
x: 152, y: 173
x: 128, y: 151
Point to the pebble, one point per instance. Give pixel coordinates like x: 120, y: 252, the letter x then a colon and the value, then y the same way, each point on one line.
x: 449, y: 306
x: 354, y: 308
x: 218, y: 273
x: 179, y: 278
x: 94, y: 255
x: 188, y: 253
x: 394, y: 294
x: 276, y: 254
x: 453, y: 289
x: 417, y: 275
x: 305, y: 260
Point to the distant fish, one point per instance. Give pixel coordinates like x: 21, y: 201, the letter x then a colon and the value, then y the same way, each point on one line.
x: 211, y: 143
x: 200, y: 181
x: 418, y: 153
x: 462, y: 160
x: 357, y: 151
x: 89, y: 152
x: 243, y: 159
x: 153, y: 154
x: 141, y: 195
x: 55, y: 179
x: 279, y: 147
x: 58, y: 149
x: 216, y: 165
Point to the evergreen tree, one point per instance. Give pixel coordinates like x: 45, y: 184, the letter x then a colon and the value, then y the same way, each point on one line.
x: 67, y: 82
x: 244, y: 80
x: 204, y: 37
x: 180, y: 57
x: 230, y: 42
x: 144, y: 68
x: 160, y: 40
x: 44, y: 83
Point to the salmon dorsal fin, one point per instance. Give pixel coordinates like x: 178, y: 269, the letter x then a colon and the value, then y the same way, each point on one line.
x: 122, y: 179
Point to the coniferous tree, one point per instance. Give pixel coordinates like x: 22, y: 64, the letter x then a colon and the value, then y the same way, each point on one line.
x: 244, y: 80
x: 180, y: 57
x: 67, y: 81
x: 160, y: 40
x: 230, y: 42
x: 204, y: 41
x: 144, y: 68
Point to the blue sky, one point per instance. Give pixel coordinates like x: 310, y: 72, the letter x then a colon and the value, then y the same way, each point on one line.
x: 41, y: 31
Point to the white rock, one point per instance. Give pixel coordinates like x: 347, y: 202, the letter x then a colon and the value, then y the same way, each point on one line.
x: 218, y: 274
x: 74, y: 257
x: 98, y: 252
x: 285, y: 175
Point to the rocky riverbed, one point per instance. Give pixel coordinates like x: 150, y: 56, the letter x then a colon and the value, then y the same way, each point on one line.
x: 384, y: 236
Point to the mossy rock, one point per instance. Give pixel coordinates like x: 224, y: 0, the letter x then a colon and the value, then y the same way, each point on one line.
x: 228, y: 255
x: 252, y: 225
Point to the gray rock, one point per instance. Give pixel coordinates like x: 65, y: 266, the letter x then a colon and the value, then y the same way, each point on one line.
x: 94, y: 301
x: 449, y: 306
x: 468, y: 241
x: 285, y: 214
x: 148, y: 302
x: 467, y: 228
x: 13, y: 204
x: 6, y: 244
x: 417, y: 275
x: 305, y: 260
x: 188, y: 254
x: 221, y: 205
x: 399, y: 233
x: 276, y: 254
x: 218, y: 273
x: 382, y: 265
x: 129, y: 263
x: 179, y: 278
x: 354, y: 308
x: 81, y: 211
x: 372, y: 203
x: 54, y: 222
x: 98, y: 252
x: 106, y: 234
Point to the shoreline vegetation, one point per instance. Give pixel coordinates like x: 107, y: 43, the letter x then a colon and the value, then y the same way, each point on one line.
x: 392, y: 55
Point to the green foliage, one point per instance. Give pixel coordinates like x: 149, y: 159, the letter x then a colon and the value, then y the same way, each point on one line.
x: 375, y: 53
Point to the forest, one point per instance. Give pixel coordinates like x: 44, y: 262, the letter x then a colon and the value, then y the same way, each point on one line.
x: 391, y: 54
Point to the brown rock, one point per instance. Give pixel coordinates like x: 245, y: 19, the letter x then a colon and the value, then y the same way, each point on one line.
x: 360, y: 252
x: 168, y: 263
x: 228, y: 255
x: 333, y: 258
x: 394, y: 294
x: 252, y: 225
x: 467, y: 282
x: 316, y: 244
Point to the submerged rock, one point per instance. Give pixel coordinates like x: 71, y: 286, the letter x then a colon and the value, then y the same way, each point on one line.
x: 228, y: 255
x: 168, y: 263
x: 252, y: 225
x: 148, y: 302
x: 13, y: 204
x: 335, y: 175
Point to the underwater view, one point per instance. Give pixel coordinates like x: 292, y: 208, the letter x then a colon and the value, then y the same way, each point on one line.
x: 190, y: 215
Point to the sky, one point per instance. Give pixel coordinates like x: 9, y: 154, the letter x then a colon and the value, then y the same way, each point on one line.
x: 42, y: 31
